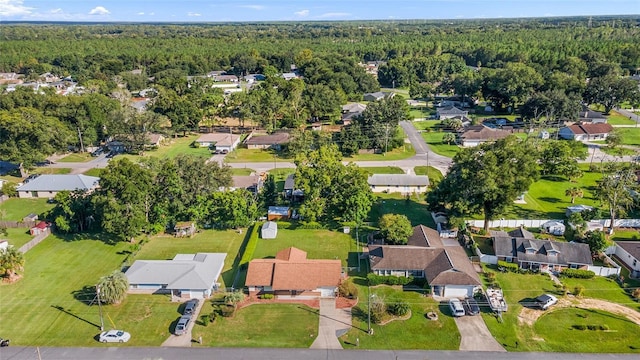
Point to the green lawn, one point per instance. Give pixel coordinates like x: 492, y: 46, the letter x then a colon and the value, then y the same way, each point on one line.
x: 166, y: 247
x: 93, y: 172
x: 49, y: 305
x: 618, y: 151
x: 615, y: 118
x: 434, y: 174
x: 76, y: 157
x: 434, y: 140
x: 242, y: 172
x: 418, y: 112
x: 281, y: 175
x: 625, y: 235
x: 415, y: 209
x: 427, y: 124
x: 602, y: 288
x: 404, y: 152
x: 256, y: 155
x: 15, y: 209
x: 383, y: 170
x: 555, y: 327
x: 417, y: 332
x: 51, y: 171
x: 262, y: 325
x: 173, y: 147
x: 17, y: 236
x: 630, y: 136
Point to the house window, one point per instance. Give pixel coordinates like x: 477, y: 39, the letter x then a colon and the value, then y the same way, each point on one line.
x: 573, y: 266
x: 634, y: 262
x: 530, y: 251
x: 508, y: 259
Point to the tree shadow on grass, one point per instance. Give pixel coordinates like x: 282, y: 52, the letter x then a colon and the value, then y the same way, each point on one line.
x: 100, y: 236
x: 60, y: 308
x: 86, y: 295
x: 551, y: 200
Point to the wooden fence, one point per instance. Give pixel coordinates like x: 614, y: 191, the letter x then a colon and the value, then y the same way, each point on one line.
x: 35, y: 241
x: 17, y: 224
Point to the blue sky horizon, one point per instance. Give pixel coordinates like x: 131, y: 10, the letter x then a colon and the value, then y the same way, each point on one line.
x: 302, y: 10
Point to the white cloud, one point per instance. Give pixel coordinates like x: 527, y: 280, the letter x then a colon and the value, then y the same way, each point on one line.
x: 252, y: 7
x: 333, y: 15
x: 193, y: 14
x: 141, y: 13
x: 151, y: 13
x: 13, y: 8
x: 99, y: 10
x: 302, y: 13
x: 56, y: 11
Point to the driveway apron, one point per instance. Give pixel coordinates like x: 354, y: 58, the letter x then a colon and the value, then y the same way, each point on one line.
x: 332, y: 322
x: 475, y: 335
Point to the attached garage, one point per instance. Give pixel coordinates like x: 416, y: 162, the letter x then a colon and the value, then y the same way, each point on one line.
x: 457, y: 291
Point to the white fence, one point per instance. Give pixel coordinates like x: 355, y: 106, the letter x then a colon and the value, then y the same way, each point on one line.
x: 508, y: 223
x: 486, y: 259
x: 604, y: 271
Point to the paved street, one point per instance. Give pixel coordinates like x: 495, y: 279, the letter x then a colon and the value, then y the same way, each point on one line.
x: 157, y: 353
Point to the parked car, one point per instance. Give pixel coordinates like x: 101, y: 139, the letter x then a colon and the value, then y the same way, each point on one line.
x: 97, y: 152
x: 4, y: 342
x: 471, y: 307
x: 115, y: 336
x: 456, y: 307
x: 546, y: 301
x: 190, y: 306
x: 182, y: 325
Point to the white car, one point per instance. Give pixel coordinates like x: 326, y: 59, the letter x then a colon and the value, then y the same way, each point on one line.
x: 546, y: 301
x: 115, y: 336
x: 456, y: 307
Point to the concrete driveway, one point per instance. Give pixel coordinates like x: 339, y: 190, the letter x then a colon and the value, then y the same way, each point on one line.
x: 185, y: 339
x: 332, y: 322
x: 475, y: 335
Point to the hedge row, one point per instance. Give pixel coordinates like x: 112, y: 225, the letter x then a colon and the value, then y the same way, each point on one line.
x: 252, y: 243
x: 511, y: 267
x: 387, y: 280
x: 578, y: 274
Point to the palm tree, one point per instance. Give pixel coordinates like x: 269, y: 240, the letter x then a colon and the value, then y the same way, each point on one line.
x: 11, y: 261
x: 574, y: 192
x: 448, y: 138
x: 113, y: 287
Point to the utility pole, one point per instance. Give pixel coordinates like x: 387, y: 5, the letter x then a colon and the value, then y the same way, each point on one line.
x: 100, y: 308
x: 80, y: 136
x: 369, y: 309
x: 386, y: 139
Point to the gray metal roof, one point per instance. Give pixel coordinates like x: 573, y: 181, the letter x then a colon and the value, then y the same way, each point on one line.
x: 185, y: 271
x: 632, y: 247
x: 60, y: 183
x: 270, y: 225
x: 398, y: 179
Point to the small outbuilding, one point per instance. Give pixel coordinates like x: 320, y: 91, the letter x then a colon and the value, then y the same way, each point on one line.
x: 40, y: 228
x: 278, y: 212
x: 269, y: 230
x: 554, y: 228
x: 184, y: 228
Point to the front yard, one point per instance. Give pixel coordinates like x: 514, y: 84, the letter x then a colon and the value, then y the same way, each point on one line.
x: 434, y: 140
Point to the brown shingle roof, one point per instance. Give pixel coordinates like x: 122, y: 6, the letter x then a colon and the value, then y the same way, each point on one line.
x: 481, y: 132
x: 277, y: 138
x: 291, y: 270
x: 424, y: 236
x: 221, y: 139
x: 632, y: 247
x: 591, y: 129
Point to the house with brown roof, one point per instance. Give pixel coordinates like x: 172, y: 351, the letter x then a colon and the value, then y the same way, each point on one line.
x: 273, y: 141
x: 292, y: 275
x: 253, y: 183
x: 221, y: 141
x: 447, y: 269
x: 586, y: 132
x: 478, y: 134
x: 520, y: 246
x: 629, y: 253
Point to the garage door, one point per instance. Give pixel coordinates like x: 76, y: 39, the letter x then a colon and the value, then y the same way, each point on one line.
x: 451, y: 291
x: 327, y: 292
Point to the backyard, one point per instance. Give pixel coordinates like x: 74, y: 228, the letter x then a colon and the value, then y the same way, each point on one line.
x: 16, y: 209
x: 415, y: 208
x: 17, y: 236
x: 174, y: 147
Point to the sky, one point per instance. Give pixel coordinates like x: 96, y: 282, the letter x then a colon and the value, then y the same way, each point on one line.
x: 301, y: 10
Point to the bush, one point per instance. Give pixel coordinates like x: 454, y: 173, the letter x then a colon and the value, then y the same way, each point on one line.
x: 348, y: 289
x: 387, y: 280
x: 252, y: 243
x: 311, y: 225
x: 266, y: 296
x: 578, y: 274
x: 579, y: 327
x: 491, y: 276
x: 578, y: 290
x: 227, y: 310
x: 378, y: 309
x: 205, y: 319
x: 510, y: 267
x: 399, y: 308
x: 636, y: 294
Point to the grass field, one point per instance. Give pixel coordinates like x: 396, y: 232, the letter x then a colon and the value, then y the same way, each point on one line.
x: 630, y: 136
x: 49, y: 305
x: 434, y: 174
x: 434, y: 140
x: 603, y: 288
x: 615, y: 118
x: 76, y: 157
x: 427, y: 124
x: 401, y: 153
x: 556, y: 327
x: 174, y: 147
x: 256, y: 155
x: 618, y: 151
x: 262, y: 325
x: 415, y: 333
x: 383, y: 170
x: 415, y: 209
x: 17, y: 236
x: 51, y: 171
x: 242, y: 172
x: 15, y: 209
x: 93, y: 172
x: 166, y: 247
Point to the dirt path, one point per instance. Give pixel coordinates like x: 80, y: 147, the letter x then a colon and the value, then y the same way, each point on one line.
x: 530, y: 316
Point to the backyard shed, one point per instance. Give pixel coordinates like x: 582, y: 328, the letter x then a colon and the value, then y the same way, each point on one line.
x: 278, y: 212
x: 269, y: 230
x: 184, y: 228
x: 554, y: 227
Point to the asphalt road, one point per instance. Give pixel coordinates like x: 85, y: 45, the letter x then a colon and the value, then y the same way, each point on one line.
x: 157, y: 353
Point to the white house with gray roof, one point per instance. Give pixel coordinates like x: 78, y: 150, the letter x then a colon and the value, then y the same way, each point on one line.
x: 187, y: 275
x: 398, y: 183
x: 47, y: 186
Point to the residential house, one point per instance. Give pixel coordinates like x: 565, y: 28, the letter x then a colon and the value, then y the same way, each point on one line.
x: 398, y: 183
x: 269, y: 230
x: 629, y: 253
x: 479, y: 134
x: 290, y: 192
x: 10, y: 78
x: 48, y: 186
x: 377, y: 96
x: 225, y: 78
x: 447, y: 269
x: 457, y: 101
x: 252, y: 183
x: 273, y: 141
x: 586, y: 132
x: 154, y: 139
x: 351, y: 110
x: 278, y: 213
x: 520, y: 246
x: 289, y: 76
x: 252, y: 78
x: 116, y: 147
x: 448, y: 112
x: 184, y: 229
x: 40, y: 228
x: 139, y: 103
x: 221, y: 141
x: 292, y: 275
x: 215, y: 73
x: 186, y: 276
x: 589, y: 116
x: 576, y: 209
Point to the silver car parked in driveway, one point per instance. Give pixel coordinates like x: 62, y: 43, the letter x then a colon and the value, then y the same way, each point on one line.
x: 183, y: 323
